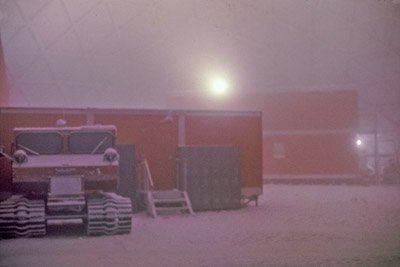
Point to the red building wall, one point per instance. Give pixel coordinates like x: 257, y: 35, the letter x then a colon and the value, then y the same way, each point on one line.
x: 326, y: 154
x: 322, y: 110
x: 316, y: 130
x: 156, y: 139
x: 153, y: 134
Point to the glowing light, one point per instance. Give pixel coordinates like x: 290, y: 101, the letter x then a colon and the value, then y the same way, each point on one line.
x: 359, y: 142
x: 219, y: 86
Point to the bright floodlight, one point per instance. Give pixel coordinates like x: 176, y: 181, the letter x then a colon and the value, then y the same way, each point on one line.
x: 219, y: 86
x: 359, y: 142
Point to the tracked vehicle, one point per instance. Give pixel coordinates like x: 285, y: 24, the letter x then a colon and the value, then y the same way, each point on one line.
x: 64, y: 173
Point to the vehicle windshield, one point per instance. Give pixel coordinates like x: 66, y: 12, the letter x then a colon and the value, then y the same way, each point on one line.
x: 40, y: 143
x: 90, y: 142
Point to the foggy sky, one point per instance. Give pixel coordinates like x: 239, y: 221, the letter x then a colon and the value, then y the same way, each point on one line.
x: 138, y: 54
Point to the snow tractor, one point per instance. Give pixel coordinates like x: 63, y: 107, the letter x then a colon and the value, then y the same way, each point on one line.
x: 65, y: 173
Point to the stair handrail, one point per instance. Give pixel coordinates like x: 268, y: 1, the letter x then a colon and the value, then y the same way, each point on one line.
x: 149, y: 177
x: 145, y: 177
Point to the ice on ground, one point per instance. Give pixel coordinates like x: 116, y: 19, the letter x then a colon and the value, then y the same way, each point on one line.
x: 294, y: 225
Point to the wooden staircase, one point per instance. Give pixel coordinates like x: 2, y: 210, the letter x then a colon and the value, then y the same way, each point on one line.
x: 158, y: 203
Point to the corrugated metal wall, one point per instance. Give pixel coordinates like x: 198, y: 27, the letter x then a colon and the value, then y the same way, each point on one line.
x: 244, y: 131
x: 213, y: 176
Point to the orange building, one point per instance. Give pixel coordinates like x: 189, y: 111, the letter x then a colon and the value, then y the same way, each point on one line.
x: 306, y: 135
x: 155, y: 133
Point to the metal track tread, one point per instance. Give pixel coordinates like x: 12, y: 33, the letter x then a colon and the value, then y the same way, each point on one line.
x: 22, y: 217
x: 109, y: 214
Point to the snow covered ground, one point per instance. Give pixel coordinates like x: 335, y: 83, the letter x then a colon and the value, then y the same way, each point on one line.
x: 294, y: 225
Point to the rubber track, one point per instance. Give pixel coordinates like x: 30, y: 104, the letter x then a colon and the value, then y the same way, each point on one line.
x: 22, y: 217
x: 109, y: 214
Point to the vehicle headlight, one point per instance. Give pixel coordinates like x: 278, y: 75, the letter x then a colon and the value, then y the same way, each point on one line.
x: 20, y: 156
x: 110, y: 155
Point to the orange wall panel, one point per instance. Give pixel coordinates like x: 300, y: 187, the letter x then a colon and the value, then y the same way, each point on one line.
x: 244, y: 131
x: 310, y: 111
x: 153, y: 137
x: 318, y: 110
x: 312, y: 154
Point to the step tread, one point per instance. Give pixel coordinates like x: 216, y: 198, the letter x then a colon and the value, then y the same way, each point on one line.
x: 183, y: 208
x: 168, y: 194
x: 175, y: 200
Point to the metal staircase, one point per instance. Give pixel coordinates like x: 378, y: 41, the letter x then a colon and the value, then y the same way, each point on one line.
x: 159, y: 203
x: 169, y: 202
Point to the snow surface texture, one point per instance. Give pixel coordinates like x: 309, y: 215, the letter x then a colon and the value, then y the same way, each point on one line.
x: 304, y: 225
